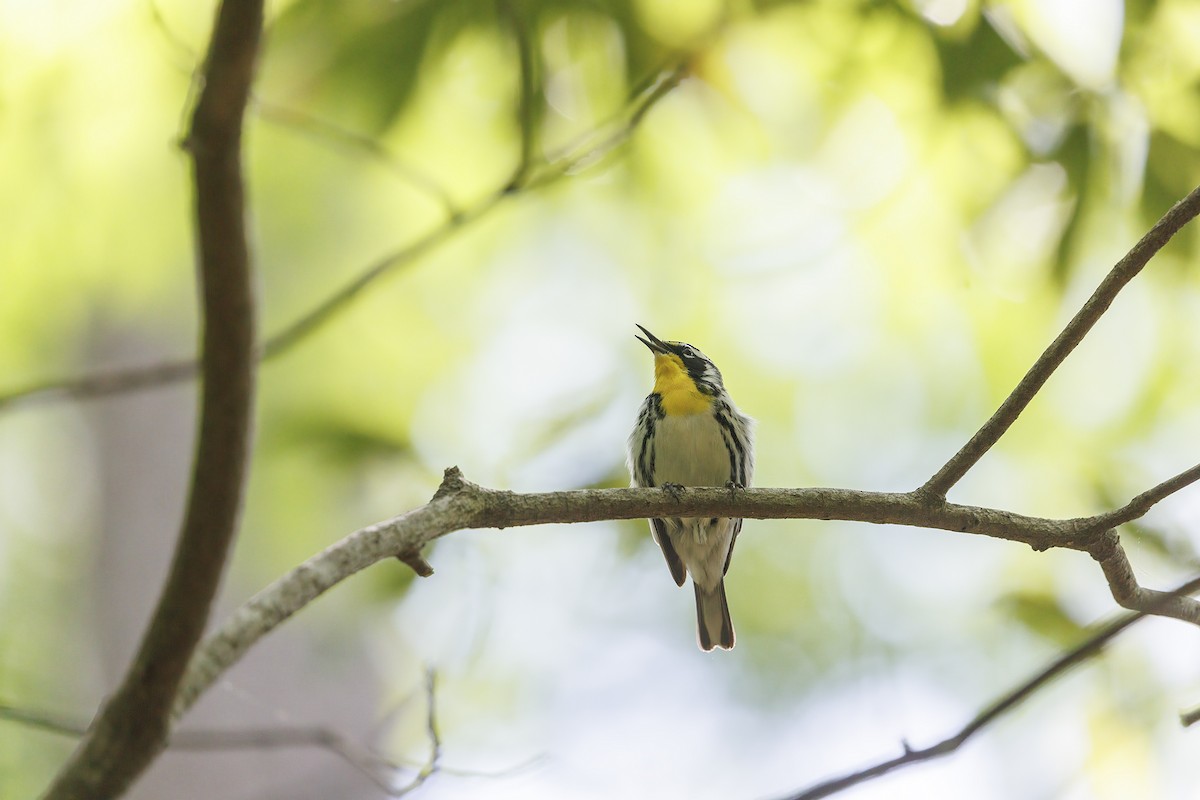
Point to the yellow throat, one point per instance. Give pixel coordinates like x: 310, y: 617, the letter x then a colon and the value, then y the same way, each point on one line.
x: 677, y: 389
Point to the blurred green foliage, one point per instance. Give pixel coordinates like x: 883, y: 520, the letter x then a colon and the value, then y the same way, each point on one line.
x: 872, y: 215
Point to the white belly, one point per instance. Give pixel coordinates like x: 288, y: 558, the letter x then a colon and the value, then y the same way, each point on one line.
x: 689, y: 450
x: 703, y: 546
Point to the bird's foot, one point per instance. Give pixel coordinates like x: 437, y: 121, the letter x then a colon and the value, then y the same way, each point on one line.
x: 673, y: 489
x: 734, y: 487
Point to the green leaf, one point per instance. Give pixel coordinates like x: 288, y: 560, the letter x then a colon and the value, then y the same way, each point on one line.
x: 974, y: 65
x: 1041, y: 613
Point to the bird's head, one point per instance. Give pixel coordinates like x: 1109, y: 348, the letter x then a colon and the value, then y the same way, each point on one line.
x: 685, y: 377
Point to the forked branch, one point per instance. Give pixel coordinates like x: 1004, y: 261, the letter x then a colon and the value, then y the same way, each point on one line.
x: 1123, y: 272
x: 460, y: 504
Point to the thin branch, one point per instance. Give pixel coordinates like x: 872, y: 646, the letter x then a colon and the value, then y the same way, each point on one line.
x: 1124, y: 271
x: 379, y: 770
x: 372, y: 767
x: 1138, y: 506
x: 1105, y: 548
x: 303, y: 122
x: 1189, y: 717
x: 460, y: 504
x: 42, y: 720
x: 327, y: 131
x: 101, y: 384
x: 128, y: 379
x: 433, y: 765
x: 527, y: 102
x: 324, y: 311
x: 173, y: 39
x: 339, y: 300
x: 1087, y: 649
x: 591, y: 148
x: 132, y: 727
x: 194, y: 739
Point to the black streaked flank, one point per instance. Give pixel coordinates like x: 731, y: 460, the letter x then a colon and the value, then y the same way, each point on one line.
x: 737, y: 454
x: 652, y: 412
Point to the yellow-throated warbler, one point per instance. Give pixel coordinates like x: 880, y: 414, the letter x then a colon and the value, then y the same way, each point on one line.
x: 689, y: 433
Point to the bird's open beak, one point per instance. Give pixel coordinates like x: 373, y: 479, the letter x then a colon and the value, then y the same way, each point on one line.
x: 655, y: 344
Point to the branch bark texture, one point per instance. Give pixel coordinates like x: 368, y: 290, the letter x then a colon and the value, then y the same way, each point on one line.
x: 460, y: 504
x: 169, y: 672
x: 132, y: 726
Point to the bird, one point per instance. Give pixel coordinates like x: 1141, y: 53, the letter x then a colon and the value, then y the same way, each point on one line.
x: 690, y: 433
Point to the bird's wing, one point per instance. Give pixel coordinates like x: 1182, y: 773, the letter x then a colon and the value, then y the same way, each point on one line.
x: 673, y: 561
x: 737, y: 527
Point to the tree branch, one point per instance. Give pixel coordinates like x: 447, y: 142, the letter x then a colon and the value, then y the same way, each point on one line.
x: 586, y: 151
x: 528, y: 95
x: 1138, y: 506
x: 132, y: 727
x: 1089, y: 648
x: 1124, y: 271
x: 206, y: 739
x: 433, y: 764
x: 1125, y: 590
x: 325, y: 130
x: 460, y: 504
x: 591, y: 147
x: 42, y: 720
x: 301, y: 121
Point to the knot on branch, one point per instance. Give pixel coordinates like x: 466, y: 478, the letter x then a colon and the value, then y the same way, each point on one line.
x: 466, y: 498
x: 457, y: 497
x: 453, y: 482
x: 1087, y: 533
x: 416, y: 562
x: 928, y: 497
x: 1105, y: 545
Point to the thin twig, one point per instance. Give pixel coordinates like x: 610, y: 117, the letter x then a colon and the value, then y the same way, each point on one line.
x: 42, y: 720
x: 101, y: 384
x: 527, y: 102
x: 1124, y: 271
x: 433, y: 765
x: 291, y: 335
x: 306, y: 123
x: 590, y: 148
x: 1087, y: 649
x: 327, y: 131
x: 1138, y: 506
x: 173, y: 39
x: 109, y: 382
x: 379, y: 770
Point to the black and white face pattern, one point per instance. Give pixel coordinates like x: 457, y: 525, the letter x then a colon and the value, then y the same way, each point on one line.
x: 701, y: 369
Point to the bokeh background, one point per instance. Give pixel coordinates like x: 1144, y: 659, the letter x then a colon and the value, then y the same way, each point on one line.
x: 872, y: 215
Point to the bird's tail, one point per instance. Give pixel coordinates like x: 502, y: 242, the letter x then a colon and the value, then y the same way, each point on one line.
x: 712, y: 618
